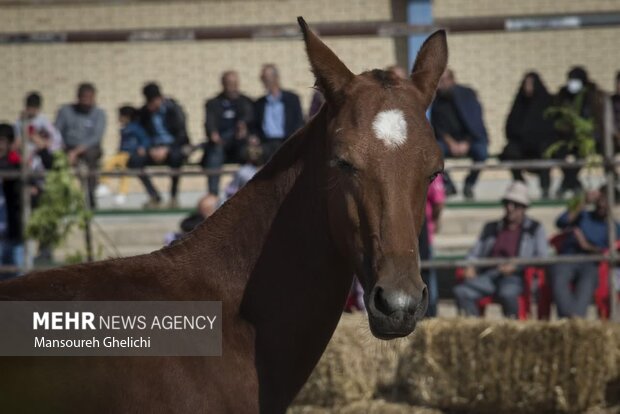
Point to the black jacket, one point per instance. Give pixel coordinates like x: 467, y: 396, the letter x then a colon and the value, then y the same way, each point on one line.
x: 293, y: 115
x: 174, y: 122
x: 214, y: 109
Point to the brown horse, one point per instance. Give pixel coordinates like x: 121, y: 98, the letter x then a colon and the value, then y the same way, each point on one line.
x: 344, y: 195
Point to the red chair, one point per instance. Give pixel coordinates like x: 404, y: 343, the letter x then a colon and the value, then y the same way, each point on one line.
x: 601, y: 294
x: 532, y: 276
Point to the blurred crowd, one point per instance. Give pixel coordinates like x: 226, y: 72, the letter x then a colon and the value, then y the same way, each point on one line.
x: 241, y: 130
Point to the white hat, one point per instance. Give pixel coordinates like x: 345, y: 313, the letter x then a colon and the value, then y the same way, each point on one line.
x: 517, y: 192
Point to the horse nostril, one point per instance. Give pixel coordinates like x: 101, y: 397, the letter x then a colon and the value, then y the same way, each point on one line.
x: 381, y: 303
x: 388, y: 302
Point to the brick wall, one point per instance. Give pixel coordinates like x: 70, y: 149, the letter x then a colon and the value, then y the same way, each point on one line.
x: 494, y: 63
x: 188, y: 71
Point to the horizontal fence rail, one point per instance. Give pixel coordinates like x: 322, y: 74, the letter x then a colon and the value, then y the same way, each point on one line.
x: 192, y: 171
x: 455, y: 263
x: 517, y: 261
x: 384, y: 28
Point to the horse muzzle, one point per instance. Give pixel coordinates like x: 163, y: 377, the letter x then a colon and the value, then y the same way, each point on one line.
x: 394, y: 313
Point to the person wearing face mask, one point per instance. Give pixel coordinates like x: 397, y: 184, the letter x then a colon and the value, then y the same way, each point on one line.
x: 589, y: 102
x: 528, y: 130
x: 82, y: 125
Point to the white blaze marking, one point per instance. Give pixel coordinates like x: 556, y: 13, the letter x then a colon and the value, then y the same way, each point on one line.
x: 390, y: 127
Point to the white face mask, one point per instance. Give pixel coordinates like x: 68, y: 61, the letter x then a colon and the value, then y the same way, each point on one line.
x: 574, y: 85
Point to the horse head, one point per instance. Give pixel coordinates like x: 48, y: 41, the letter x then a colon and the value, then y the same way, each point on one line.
x: 382, y: 155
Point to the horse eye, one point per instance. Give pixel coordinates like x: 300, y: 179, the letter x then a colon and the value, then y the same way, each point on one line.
x: 343, y: 164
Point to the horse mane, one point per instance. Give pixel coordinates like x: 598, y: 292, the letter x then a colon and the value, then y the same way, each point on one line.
x: 386, y: 79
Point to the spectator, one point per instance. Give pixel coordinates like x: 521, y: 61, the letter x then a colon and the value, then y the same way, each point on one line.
x: 134, y: 142
x: 589, y: 102
x: 515, y: 235
x: 435, y: 200
x: 528, y: 130
x: 81, y: 126
x: 206, y: 207
x: 253, y: 155
x: 164, y: 122
x: 456, y: 116
x: 278, y: 114
x: 227, y: 118
x: 583, y: 232
x: 43, y: 140
x: 43, y: 137
x: 12, y: 246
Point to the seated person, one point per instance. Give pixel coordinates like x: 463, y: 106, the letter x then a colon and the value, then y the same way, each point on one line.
x: 456, y: 116
x: 42, y: 137
x: 253, y: 155
x: 515, y: 235
x: 164, y: 122
x: 206, y: 207
x: 528, y: 130
x: 134, y: 141
x: 585, y: 231
x: 228, y: 116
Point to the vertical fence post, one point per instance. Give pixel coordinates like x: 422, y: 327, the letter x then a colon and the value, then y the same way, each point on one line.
x: 25, y: 192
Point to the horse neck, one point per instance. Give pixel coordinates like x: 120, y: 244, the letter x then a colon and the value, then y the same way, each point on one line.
x: 280, y: 263
x: 299, y: 283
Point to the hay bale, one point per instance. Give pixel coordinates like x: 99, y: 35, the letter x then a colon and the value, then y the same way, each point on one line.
x: 353, y: 366
x: 508, y: 366
x: 384, y: 407
x: 308, y: 409
x: 612, y: 393
x: 366, y: 407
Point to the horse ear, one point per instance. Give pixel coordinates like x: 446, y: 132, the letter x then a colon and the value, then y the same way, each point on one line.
x: 330, y: 73
x: 430, y: 64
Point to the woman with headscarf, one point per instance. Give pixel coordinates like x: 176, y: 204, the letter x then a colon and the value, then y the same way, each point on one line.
x: 528, y: 131
x: 589, y: 102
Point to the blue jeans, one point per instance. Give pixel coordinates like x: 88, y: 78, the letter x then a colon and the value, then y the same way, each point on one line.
x: 478, y: 152
x: 12, y: 254
x: 573, y: 285
x: 174, y: 160
x: 429, y: 276
x: 506, y: 289
x: 217, y: 154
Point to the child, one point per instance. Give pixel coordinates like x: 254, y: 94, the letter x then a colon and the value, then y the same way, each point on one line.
x: 12, y: 246
x: 134, y: 140
x: 43, y: 139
